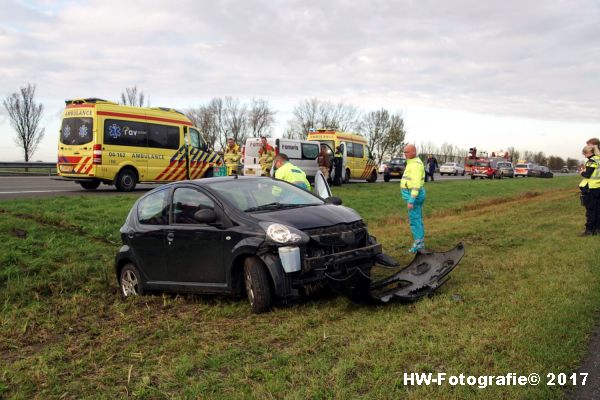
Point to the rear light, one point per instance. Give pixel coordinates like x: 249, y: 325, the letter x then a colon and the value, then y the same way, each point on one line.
x: 97, y: 154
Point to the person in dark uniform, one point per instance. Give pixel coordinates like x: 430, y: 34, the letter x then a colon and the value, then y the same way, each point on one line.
x: 590, y: 192
x: 337, y: 165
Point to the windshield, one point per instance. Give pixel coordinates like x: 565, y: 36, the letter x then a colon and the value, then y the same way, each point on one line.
x: 400, y: 161
x: 504, y: 165
x: 482, y: 164
x: 521, y: 165
x: 76, y: 131
x: 263, y: 194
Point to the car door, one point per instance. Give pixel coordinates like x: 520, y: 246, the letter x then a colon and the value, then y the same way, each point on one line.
x: 194, y: 250
x: 147, y: 238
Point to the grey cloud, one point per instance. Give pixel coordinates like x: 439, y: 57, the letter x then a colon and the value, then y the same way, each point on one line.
x: 538, y: 59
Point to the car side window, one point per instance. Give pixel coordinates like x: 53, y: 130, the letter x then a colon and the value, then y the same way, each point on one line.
x: 186, y: 202
x: 153, y: 209
x: 358, y: 150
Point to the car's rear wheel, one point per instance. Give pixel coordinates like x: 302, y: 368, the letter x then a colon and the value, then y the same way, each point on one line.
x: 90, y: 185
x: 472, y: 177
x: 386, y: 178
x: 455, y: 173
x: 258, y: 286
x: 130, y: 281
x: 126, y: 180
x: 463, y: 173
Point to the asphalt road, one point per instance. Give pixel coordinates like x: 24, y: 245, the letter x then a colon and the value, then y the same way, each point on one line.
x: 14, y: 187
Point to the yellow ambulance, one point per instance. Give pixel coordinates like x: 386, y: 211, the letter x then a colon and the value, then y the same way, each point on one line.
x: 105, y: 142
x: 357, y: 160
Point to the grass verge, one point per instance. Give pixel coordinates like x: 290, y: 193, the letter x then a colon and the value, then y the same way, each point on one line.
x: 523, y: 300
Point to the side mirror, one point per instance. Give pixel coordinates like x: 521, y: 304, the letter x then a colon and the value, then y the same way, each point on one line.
x: 336, y: 201
x: 205, y: 216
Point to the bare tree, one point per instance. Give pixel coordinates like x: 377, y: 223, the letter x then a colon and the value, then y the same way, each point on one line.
x: 25, y: 115
x: 445, y: 152
x: 260, y: 117
x: 514, y: 154
x: 555, y: 163
x: 131, y: 97
x: 316, y: 114
x: 384, y: 133
x: 236, y: 121
x: 572, y: 163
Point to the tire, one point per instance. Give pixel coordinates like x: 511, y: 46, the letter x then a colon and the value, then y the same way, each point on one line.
x: 130, y: 282
x: 373, y: 177
x: 90, y: 185
x: 501, y: 176
x: 347, y: 178
x: 209, y: 173
x: 463, y: 174
x: 126, y: 180
x: 472, y: 177
x: 258, y: 287
x: 455, y: 173
x: 386, y: 178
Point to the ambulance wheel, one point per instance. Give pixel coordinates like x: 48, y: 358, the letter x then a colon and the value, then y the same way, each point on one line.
x: 90, y: 185
x: 373, y: 177
x: 126, y: 180
x: 347, y: 177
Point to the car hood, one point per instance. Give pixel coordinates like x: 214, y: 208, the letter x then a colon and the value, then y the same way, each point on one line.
x: 310, y: 217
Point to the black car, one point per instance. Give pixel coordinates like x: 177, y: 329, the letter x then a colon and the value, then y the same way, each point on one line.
x: 213, y: 235
x: 258, y: 235
x: 394, y: 169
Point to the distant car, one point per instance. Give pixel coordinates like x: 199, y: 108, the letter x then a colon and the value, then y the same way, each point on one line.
x: 541, y: 171
x: 565, y: 169
x: 395, y: 169
x: 383, y: 166
x: 452, y: 168
x: 506, y: 169
x: 485, y: 169
x: 522, y: 169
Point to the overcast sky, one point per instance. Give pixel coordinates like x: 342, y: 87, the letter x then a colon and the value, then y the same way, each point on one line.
x: 472, y: 73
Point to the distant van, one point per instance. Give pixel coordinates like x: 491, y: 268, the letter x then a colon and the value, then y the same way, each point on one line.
x: 105, y: 142
x: 301, y: 153
x: 357, y: 161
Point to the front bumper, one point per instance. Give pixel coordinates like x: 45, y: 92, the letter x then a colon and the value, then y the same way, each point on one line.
x: 350, y: 256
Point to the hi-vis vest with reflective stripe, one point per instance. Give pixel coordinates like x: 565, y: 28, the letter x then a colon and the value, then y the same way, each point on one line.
x: 414, y: 176
x: 232, y: 155
x: 593, y: 182
x: 292, y: 174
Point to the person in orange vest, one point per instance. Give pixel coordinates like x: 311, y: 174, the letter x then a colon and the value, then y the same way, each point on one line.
x: 266, y: 153
x: 232, y: 156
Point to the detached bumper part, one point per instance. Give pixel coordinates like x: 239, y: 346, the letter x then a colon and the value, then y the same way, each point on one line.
x: 426, y: 273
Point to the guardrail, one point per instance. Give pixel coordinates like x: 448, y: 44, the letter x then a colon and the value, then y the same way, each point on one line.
x: 27, y: 168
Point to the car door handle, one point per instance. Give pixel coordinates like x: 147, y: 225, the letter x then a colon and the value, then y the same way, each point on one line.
x: 170, y: 237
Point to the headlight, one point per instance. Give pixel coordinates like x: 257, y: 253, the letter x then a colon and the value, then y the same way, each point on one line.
x: 282, y: 234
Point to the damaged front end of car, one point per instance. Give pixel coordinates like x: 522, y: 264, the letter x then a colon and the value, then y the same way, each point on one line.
x: 343, y: 257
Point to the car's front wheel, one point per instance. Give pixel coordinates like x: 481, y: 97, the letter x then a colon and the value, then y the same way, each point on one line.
x: 130, y: 282
x: 258, y: 287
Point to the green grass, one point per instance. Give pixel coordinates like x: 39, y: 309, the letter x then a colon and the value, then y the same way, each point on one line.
x: 523, y: 300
